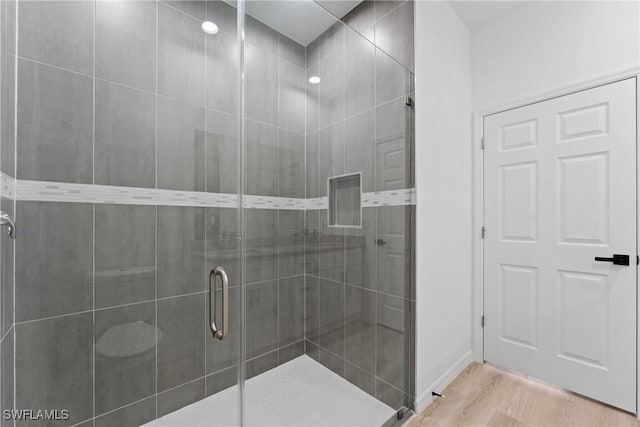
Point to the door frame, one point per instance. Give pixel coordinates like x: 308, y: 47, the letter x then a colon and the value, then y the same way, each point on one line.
x: 477, y: 266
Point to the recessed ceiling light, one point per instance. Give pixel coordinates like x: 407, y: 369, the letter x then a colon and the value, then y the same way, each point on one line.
x: 209, y: 27
x: 314, y: 80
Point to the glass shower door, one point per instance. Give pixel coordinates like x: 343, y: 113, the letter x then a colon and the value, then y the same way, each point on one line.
x: 121, y: 167
x: 328, y: 214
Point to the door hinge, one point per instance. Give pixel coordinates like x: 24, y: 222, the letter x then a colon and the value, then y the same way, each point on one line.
x: 637, y: 260
x: 408, y: 101
x: 482, y: 142
x: 483, y: 231
x: 482, y: 321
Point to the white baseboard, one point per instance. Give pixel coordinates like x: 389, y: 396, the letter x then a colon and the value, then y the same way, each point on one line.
x: 443, y: 381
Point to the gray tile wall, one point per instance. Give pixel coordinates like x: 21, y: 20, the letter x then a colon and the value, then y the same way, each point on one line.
x: 111, y: 321
x: 158, y: 112
x: 7, y: 159
x: 275, y: 134
x: 360, y: 300
x: 360, y: 287
x: 275, y: 111
x: 143, y: 98
x: 134, y: 320
x: 110, y: 314
x: 387, y: 23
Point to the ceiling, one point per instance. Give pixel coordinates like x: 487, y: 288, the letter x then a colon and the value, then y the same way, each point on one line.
x: 300, y: 20
x: 477, y: 13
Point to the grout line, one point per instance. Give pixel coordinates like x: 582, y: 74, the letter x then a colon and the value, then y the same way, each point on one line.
x: 115, y: 83
x: 375, y: 212
x: 6, y: 333
x: 344, y: 170
x: 304, y: 214
x: 206, y: 188
x: 155, y: 235
x: 24, y: 322
x: 15, y: 204
x: 361, y: 287
x: 93, y: 210
x: 111, y: 411
x: 277, y: 224
x: 93, y: 285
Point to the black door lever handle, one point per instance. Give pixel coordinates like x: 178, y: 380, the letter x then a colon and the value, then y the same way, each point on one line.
x: 616, y: 260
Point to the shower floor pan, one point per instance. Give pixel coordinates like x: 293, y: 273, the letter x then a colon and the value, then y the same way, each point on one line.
x: 300, y: 392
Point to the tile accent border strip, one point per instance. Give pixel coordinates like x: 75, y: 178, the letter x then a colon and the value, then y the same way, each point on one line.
x: 47, y: 191
x: 405, y: 196
x: 7, y: 186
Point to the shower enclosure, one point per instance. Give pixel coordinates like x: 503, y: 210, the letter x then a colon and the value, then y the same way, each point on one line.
x: 214, y: 212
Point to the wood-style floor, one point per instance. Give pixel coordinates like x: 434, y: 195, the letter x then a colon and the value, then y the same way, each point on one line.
x: 483, y: 395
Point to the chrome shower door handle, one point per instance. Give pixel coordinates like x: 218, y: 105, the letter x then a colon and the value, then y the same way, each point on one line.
x: 5, y: 219
x: 222, y: 332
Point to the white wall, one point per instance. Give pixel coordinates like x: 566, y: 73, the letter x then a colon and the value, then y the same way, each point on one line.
x: 535, y: 49
x: 443, y: 181
x: 543, y: 46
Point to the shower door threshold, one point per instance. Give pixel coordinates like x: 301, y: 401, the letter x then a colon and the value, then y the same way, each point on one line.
x: 300, y: 392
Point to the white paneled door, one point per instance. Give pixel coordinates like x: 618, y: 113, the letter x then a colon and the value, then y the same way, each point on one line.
x: 560, y: 191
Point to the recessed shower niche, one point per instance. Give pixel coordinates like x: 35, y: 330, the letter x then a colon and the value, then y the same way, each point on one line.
x: 345, y: 207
